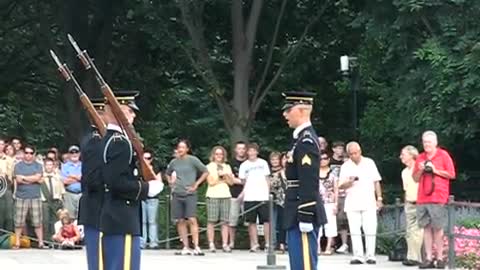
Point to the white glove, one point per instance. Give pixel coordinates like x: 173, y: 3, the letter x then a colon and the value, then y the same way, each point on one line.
x: 305, y: 227
x: 154, y: 187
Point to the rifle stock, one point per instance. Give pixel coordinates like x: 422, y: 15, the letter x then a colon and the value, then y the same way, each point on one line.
x: 67, y: 74
x: 147, y: 172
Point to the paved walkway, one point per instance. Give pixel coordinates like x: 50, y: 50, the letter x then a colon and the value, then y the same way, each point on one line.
x: 164, y: 259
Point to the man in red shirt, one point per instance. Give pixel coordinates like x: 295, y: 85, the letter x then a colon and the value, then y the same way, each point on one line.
x: 433, y: 170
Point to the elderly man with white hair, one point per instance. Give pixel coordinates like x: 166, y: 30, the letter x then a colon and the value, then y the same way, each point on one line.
x: 360, y: 178
x: 433, y: 170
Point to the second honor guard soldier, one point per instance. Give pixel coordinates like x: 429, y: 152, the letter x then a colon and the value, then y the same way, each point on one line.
x: 92, y: 189
x: 120, y: 222
x: 304, y: 211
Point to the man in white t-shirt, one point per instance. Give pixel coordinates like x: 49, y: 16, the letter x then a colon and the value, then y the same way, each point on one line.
x: 360, y: 178
x: 254, y: 172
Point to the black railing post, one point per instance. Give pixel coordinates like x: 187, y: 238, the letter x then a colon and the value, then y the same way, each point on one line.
x: 398, y: 203
x: 167, y: 221
x: 271, y: 259
x: 450, y: 232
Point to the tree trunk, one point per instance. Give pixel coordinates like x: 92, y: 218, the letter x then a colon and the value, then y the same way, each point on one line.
x: 76, y: 23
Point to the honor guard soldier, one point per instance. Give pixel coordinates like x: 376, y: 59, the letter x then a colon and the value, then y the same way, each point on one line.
x: 92, y: 189
x: 120, y: 221
x: 304, y: 211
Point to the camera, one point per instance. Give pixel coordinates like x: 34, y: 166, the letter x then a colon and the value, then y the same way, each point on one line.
x: 428, y: 167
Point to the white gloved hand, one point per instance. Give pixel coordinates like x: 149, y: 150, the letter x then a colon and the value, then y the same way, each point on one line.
x: 305, y: 227
x: 154, y: 187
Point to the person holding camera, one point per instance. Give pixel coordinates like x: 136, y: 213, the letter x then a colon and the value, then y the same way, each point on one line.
x: 360, y: 178
x: 433, y: 171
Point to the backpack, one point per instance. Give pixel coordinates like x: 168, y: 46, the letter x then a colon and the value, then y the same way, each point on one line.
x: 399, y: 250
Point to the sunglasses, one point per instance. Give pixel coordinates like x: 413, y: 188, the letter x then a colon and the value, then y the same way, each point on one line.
x: 28, y: 153
x: 147, y: 158
x: 324, y: 158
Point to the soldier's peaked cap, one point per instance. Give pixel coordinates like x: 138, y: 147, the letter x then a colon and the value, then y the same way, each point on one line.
x: 127, y: 97
x: 98, y: 103
x: 293, y: 98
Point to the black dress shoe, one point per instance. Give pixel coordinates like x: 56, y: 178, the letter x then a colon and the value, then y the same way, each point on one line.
x: 440, y: 264
x: 427, y: 265
x: 410, y: 263
x: 371, y: 261
x: 356, y: 261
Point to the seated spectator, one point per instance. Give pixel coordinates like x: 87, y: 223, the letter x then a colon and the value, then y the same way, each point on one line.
x: 68, y: 236
x: 255, y: 172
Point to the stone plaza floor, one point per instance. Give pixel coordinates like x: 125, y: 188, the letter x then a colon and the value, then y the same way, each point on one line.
x: 165, y: 259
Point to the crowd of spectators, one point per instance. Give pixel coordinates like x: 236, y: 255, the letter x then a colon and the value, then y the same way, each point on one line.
x: 44, y: 190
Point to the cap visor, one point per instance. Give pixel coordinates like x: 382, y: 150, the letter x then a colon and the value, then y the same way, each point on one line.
x: 134, y: 106
x: 287, y: 106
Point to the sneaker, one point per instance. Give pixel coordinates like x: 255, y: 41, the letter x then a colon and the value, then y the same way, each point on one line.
x: 186, y: 251
x: 343, y: 249
x: 226, y: 249
x: 254, y: 248
x: 371, y: 261
x: 198, y: 252
x: 211, y: 248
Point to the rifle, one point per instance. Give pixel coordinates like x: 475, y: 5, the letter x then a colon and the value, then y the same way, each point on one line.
x: 67, y: 74
x: 147, y: 172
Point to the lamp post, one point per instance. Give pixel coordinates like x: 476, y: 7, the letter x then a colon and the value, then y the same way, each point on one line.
x: 349, y: 68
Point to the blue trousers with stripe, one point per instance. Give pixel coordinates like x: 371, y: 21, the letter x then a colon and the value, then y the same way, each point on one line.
x: 92, y: 236
x: 302, y: 249
x: 121, y: 252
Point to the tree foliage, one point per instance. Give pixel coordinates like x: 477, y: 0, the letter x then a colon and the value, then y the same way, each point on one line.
x: 213, y: 71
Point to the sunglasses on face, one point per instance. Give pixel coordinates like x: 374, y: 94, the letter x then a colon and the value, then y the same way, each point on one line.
x: 28, y: 153
x: 147, y: 158
x: 324, y: 158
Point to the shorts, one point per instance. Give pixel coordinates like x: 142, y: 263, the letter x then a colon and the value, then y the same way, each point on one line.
x: 331, y: 226
x: 23, y: 207
x: 235, y: 209
x: 256, y: 209
x: 218, y: 209
x: 342, y: 220
x: 432, y: 214
x: 184, y: 206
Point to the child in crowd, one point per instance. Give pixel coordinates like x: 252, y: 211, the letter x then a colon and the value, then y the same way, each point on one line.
x: 68, y: 235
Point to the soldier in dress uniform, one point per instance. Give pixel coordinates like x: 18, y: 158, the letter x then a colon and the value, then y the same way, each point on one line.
x: 92, y: 189
x: 304, y: 211
x: 120, y: 219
